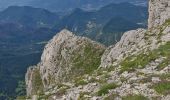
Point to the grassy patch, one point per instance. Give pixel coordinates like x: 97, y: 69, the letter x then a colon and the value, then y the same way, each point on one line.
x: 165, y: 52
x: 134, y: 97
x: 82, y: 94
x: 80, y: 82
x: 167, y: 22
x: 141, y: 60
x: 21, y: 98
x: 89, y: 60
x: 100, y: 80
x: 37, y: 82
x: 105, y: 88
x: 62, y: 90
x: 162, y: 87
x: 165, y: 76
x: 164, y: 64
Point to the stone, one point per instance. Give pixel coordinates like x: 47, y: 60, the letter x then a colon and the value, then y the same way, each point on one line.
x: 158, y: 12
x: 155, y: 79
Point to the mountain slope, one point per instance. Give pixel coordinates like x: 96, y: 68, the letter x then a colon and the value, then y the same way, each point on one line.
x: 137, y: 67
x: 113, y: 30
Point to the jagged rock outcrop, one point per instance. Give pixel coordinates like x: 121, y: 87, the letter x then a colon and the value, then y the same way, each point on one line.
x: 65, y: 57
x: 158, y: 12
x: 130, y: 41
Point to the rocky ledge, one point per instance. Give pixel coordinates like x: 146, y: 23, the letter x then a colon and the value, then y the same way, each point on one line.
x: 65, y: 57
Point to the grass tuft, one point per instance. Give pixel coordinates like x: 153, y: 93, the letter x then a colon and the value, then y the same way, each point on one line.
x: 135, y: 97
x: 162, y: 87
x: 105, y: 88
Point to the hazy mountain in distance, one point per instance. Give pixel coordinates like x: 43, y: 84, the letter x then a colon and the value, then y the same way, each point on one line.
x: 66, y: 5
x: 28, y: 16
x: 98, y: 24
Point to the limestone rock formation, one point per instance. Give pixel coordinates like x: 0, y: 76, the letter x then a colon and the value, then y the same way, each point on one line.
x: 65, y: 57
x: 158, y: 12
x: 130, y: 41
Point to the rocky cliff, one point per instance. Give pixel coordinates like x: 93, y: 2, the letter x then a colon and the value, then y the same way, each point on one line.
x: 65, y: 57
x: 158, y: 12
x: 135, y: 68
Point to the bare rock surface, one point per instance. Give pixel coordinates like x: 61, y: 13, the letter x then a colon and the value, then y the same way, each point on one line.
x: 158, y: 12
x: 65, y: 57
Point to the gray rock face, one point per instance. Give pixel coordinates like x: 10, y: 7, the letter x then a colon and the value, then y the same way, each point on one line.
x: 65, y: 57
x: 159, y: 12
x: 130, y: 41
x: 60, y: 55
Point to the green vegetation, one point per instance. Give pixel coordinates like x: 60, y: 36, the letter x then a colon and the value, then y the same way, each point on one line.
x: 37, y: 82
x: 88, y: 61
x: 110, y: 97
x: 94, y: 80
x: 165, y: 63
x: 43, y: 97
x: 163, y: 27
x: 141, y: 60
x: 62, y: 85
x: 81, y: 96
x: 167, y: 22
x: 81, y: 82
x: 165, y: 76
x: 105, y: 88
x: 21, y: 90
x: 134, y: 97
x: 62, y: 90
x: 162, y: 87
x: 21, y: 98
x: 165, y: 52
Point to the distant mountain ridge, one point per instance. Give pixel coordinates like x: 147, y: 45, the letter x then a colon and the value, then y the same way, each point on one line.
x: 28, y: 16
x: 66, y: 5
x: 84, y: 23
x: 92, y: 23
